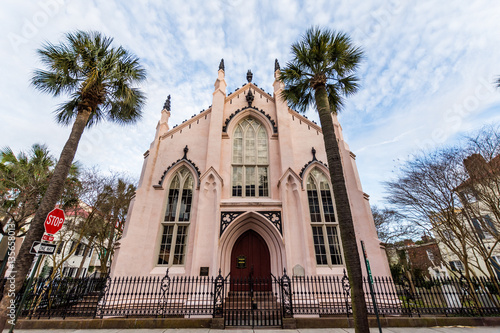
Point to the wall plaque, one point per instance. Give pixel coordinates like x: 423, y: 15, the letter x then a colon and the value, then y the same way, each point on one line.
x: 203, y: 271
x: 241, y: 262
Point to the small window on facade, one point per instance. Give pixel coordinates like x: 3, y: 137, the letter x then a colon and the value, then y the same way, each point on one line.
x: 430, y: 255
x: 324, y: 224
x: 469, y: 196
x: 250, y: 164
x: 448, y: 235
x: 60, y: 247
x: 176, y: 222
x: 456, y: 265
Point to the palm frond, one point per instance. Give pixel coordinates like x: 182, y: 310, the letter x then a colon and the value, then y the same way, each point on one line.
x: 67, y: 111
x: 88, y: 69
x: 323, y: 57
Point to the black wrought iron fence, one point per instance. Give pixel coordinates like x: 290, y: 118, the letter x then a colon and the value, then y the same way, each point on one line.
x: 158, y: 296
x: 252, y: 301
x: 267, y: 299
x: 63, y: 297
x: 330, y: 295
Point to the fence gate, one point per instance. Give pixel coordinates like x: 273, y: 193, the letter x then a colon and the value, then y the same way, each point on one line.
x: 252, y: 301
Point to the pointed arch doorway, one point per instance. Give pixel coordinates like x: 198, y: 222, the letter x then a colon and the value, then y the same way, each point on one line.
x: 252, y: 290
x: 250, y: 259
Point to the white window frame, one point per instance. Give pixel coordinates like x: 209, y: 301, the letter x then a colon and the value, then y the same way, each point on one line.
x: 323, y: 223
x: 457, y: 264
x: 245, y: 164
x: 183, y: 178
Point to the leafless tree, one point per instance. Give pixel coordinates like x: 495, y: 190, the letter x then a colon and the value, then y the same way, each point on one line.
x: 426, y: 191
x: 392, y: 226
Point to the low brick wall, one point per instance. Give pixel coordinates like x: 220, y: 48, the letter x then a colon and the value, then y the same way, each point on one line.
x: 399, y: 322
x: 74, y: 323
x: 290, y: 323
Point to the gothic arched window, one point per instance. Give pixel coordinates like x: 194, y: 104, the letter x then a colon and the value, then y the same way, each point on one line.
x: 176, y: 222
x: 250, y: 165
x: 323, y: 220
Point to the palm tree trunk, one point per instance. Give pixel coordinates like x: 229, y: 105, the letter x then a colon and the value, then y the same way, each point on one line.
x: 346, y: 225
x: 54, y: 190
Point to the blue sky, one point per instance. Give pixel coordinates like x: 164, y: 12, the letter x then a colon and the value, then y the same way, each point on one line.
x: 427, y: 77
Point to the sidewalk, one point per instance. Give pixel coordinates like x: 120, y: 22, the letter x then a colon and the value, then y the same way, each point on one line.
x: 441, y: 329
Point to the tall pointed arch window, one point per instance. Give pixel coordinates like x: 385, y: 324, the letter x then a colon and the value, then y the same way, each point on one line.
x: 175, y: 224
x: 250, y: 164
x: 323, y: 220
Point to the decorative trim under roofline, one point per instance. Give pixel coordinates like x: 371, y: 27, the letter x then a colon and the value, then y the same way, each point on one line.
x: 228, y: 120
x: 159, y: 186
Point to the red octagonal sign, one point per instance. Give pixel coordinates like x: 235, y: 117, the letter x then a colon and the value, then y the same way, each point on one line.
x: 54, y: 221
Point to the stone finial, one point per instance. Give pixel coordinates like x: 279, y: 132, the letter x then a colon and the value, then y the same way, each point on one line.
x: 249, y: 76
x: 186, y: 149
x: 313, y: 151
x: 276, y: 65
x: 166, y: 106
x: 221, y: 65
x: 250, y: 97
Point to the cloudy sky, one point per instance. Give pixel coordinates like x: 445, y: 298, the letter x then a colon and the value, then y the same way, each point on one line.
x: 426, y: 80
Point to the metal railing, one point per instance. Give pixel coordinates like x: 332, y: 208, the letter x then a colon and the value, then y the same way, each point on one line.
x: 267, y: 300
x: 176, y: 296
x: 63, y: 297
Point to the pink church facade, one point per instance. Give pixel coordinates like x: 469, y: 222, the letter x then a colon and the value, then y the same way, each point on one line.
x: 242, y: 187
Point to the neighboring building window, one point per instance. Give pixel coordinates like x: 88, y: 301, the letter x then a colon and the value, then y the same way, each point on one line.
x: 176, y: 221
x: 469, y: 196
x: 72, y: 272
x: 250, y: 167
x: 323, y: 221
x: 484, y: 228
x: 430, y: 255
x: 456, y: 265
x: 448, y: 235
x: 60, y: 247
x: 80, y: 248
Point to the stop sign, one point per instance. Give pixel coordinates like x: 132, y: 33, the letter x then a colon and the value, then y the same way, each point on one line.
x: 54, y: 221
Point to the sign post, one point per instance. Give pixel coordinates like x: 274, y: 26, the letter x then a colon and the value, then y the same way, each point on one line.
x: 370, y: 284
x: 53, y: 223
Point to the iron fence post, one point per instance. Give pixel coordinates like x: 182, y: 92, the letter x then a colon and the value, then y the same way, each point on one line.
x: 286, y: 295
x: 164, y: 287
x: 346, y: 286
x: 104, y: 296
x: 218, y: 296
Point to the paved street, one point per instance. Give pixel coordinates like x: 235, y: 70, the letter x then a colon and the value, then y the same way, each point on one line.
x: 447, y: 329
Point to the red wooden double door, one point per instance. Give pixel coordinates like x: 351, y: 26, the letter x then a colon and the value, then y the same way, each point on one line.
x: 250, y: 261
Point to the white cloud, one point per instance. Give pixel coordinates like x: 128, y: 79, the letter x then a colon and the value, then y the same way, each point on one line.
x: 426, y: 77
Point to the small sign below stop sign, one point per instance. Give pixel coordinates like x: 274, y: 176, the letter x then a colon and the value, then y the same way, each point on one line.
x: 54, y: 221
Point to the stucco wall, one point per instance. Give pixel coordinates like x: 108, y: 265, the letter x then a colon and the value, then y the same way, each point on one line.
x: 210, y: 149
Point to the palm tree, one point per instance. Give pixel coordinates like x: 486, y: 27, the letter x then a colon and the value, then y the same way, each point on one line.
x: 23, y: 180
x: 98, y: 79
x: 321, y: 74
